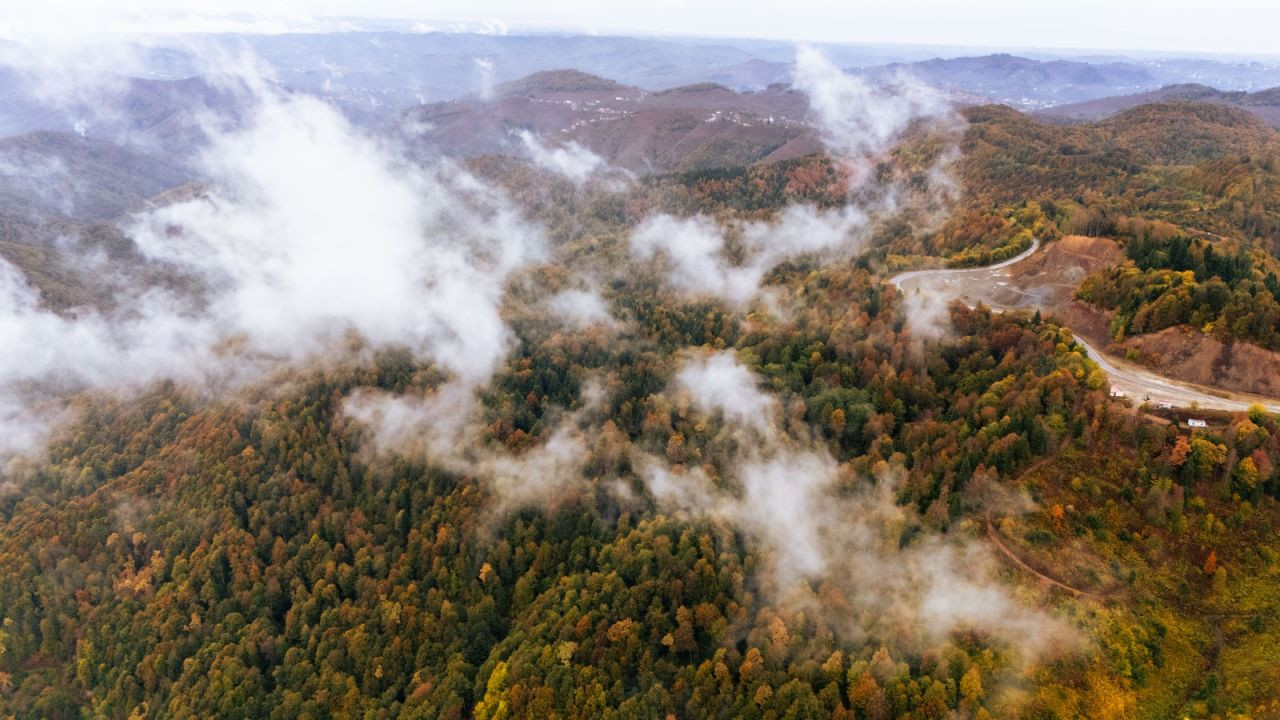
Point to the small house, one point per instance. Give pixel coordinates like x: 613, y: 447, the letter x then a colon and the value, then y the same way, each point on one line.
x: 1164, y: 405
x: 1116, y: 391
x: 1196, y: 423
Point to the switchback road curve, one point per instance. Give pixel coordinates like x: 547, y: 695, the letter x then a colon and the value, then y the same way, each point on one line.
x: 1137, y: 382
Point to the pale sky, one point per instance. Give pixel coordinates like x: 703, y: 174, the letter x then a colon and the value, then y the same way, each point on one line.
x: 1224, y: 26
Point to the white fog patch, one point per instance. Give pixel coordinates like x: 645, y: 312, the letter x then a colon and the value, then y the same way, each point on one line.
x: 804, y: 229
x: 46, y: 355
x: 811, y: 521
x: 927, y: 311
x: 313, y: 232
x: 857, y: 119
x: 581, y: 308
x: 308, y: 235
x: 719, y: 383
x: 484, y: 78
x: 44, y: 176
x: 439, y: 425
x: 445, y: 428
x: 694, y: 248
x: 540, y: 475
x: 698, y: 253
x: 572, y: 161
x: 777, y: 507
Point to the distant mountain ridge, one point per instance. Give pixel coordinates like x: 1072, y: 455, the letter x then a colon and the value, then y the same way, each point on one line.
x: 1264, y: 103
x: 80, y: 178
x: 567, y: 80
x: 372, y: 72
x: 1022, y: 82
x: 708, y: 125
x: 154, y: 115
x: 699, y: 126
x: 375, y: 75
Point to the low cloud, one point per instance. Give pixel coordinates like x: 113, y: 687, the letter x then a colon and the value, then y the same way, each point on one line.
x: 859, y: 120
x: 777, y: 505
x: 719, y: 383
x: 313, y: 232
x: 571, y: 161
x: 928, y: 311
x: 695, y: 251
x: 860, y: 124
x: 445, y: 429
x: 308, y: 234
x: 484, y: 78
x: 122, y: 93
x: 581, y: 309
x: 48, y: 355
x: 699, y: 255
x: 43, y: 178
x: 812, y: 521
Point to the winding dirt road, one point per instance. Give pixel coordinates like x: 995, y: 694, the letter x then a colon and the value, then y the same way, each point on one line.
x: 994, y: 536
x: 913, y: 278
x: 973, y: 285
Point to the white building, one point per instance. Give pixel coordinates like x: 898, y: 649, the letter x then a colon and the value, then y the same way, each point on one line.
x: 1196, y: 423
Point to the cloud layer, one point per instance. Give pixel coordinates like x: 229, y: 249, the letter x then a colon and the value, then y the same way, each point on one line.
x: 308, y: 235
x: 858, y: 119
x: 860, y: 123
x: 697, y: 252
x: 571, y: 161
x: 810, y: 521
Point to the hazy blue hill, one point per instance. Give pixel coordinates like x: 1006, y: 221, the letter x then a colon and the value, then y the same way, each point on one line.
x: 690, y: 127
x: 159, y: 115
x: 79, y: 178
x: 1265, y: 104
x: 1024, y: 82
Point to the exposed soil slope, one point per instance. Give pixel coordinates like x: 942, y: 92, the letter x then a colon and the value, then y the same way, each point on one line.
x: 1186, y: 354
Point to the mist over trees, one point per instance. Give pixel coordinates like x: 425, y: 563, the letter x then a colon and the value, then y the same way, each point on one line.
x: 358, y: 434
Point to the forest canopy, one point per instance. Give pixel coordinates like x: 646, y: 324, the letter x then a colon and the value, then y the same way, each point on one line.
x: 669, y: 446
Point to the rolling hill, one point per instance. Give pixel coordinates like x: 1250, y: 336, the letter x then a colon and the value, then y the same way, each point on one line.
x: 803, y: 505
x: 1263, y: 103
x: 692, y: 127
x: 169, y: 116
x: 1023, y: 82
x: 80, y: 178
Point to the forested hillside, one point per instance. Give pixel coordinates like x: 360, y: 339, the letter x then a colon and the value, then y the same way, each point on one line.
x: 720, y: 467
x: 242, y: 560
x: 178, y: 558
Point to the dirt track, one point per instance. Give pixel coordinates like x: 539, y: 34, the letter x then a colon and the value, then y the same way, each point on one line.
x: 993, y: 286
x: 994, y: 536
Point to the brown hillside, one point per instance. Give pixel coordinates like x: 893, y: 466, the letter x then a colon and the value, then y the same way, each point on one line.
x: 695, y: 127
x: 1186, y: 354
x: 1182, y: 133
